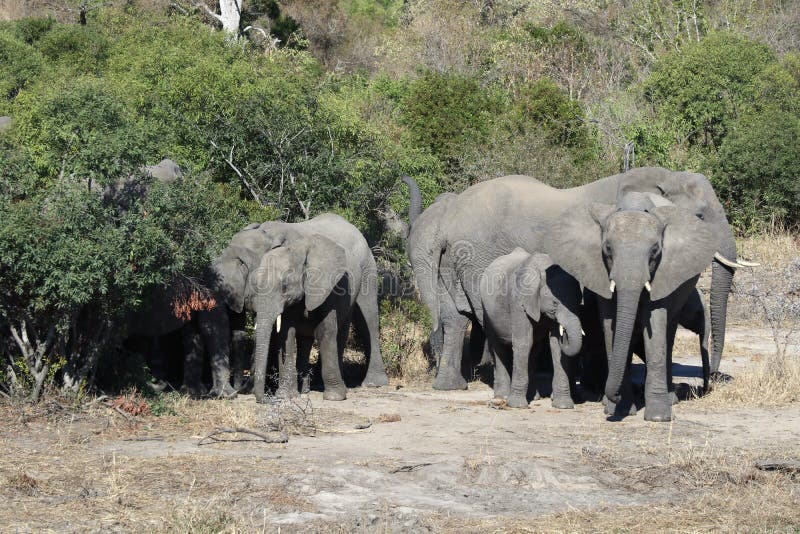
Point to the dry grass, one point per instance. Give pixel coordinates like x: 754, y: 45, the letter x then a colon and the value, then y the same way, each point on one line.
x: 772, y: 381
x: 772, y: 249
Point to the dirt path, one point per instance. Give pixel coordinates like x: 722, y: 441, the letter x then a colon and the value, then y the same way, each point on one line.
x: 449, y: 457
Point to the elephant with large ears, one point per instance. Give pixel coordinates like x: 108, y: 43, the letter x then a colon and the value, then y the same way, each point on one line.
x: 491, y: 218
x: 644, y: 266
x: 361, y: 290
x: 304, y: 289
x: 527, y: 300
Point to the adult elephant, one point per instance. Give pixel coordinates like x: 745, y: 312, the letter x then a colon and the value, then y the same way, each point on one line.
x: 422, y: 248
x: 307, y: 273
x: 623, y: 256
x: 492, y: 218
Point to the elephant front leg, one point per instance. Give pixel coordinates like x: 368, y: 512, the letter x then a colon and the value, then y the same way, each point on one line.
x: 287, y: 364
x: 522, y: 341
x: 328, y: 336
x: 658, y: 402
x: 216, y: 330
x: 562, y: 394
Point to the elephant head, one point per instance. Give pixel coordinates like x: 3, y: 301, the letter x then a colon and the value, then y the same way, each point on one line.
x: 619, y: 253
x: 540, y: 287
x: 305, y: 270
x: 693, y: 192
x: 230, y: 272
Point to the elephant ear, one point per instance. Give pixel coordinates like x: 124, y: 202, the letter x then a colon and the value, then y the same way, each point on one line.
x: 326, y: 263
x: 227, y: 277
x: 687, y: 248
x: 575, y: 243
x: 527, y: 284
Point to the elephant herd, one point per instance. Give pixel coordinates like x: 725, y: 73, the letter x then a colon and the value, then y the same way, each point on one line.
x: 526, y: 262
x: 594, y: 273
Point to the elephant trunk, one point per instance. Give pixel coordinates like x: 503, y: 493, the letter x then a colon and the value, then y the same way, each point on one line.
x: 265, y: 318
x: 572, y: 337
x: 721, y: 281
x: 627, y: 307
x: 415, y: 200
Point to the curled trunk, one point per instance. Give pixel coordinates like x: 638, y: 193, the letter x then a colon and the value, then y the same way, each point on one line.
x: 627, y: 307
x: 572, y: 339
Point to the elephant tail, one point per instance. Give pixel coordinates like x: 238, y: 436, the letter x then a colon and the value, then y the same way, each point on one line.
x: 415, y: 199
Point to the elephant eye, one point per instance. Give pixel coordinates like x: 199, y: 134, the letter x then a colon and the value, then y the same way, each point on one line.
x: 700, y: 216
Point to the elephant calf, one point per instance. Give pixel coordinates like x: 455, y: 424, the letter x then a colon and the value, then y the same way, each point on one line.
x: 516, y: 290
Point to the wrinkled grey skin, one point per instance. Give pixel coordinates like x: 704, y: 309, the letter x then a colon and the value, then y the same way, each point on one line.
x: 654, y: 259
x: 307, y: 282
x: 492, y: 218
x: 526, y: 299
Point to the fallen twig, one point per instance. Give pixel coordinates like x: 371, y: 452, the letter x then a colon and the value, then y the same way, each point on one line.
x: 409, y: 468
x: 280, y: 438
x: 786, y: 466
x: 145, y: 438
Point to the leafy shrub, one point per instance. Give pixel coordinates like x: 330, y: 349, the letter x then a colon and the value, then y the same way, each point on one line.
x: 82, y: 48
x: 758, y: 169
x: 704, y: 86
x: 444, y: 112
x: 32, y: 29
x: 19, y: 65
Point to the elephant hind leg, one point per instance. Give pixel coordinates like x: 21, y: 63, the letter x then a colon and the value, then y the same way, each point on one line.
x: 365, y: 317
x: 448, y: 374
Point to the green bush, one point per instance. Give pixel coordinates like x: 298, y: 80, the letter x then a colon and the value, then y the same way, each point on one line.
x: 32, y: 29
x: 81, y: 48
x: 19, y: 65
x: 445, y: 112
x: 707, y: 84
x: 758, y: 169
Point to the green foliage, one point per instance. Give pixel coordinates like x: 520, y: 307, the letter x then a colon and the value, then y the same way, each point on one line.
x: 81, y: 48
x: 704, y: 87
x: 444, y: 112
x: 19, y: 64
x: 758, y: 169
x: 32, y: 29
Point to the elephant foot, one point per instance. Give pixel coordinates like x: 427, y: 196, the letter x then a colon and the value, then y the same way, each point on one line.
x: 517, y: 401
x: 375, y: 380
x: 334, y: 394
x: 563, y: 402
x: 449, y: 379
x: 618, y: 409
x: 194, y: 390
x: 658, y: 413
x: 225, y: 392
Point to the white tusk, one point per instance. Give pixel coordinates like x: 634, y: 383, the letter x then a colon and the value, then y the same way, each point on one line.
x: 734, y: 264
x: 278, y: 323
x: 612, y: 286
x: 561, y: 330
x: 647, y: 286
x: 255, y: 326
x: 582, y: 332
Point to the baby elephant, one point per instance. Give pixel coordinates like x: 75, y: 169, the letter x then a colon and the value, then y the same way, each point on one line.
x: 525, y: 299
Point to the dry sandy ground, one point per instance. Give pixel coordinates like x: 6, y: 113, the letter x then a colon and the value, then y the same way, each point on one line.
x: 452, y: 462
